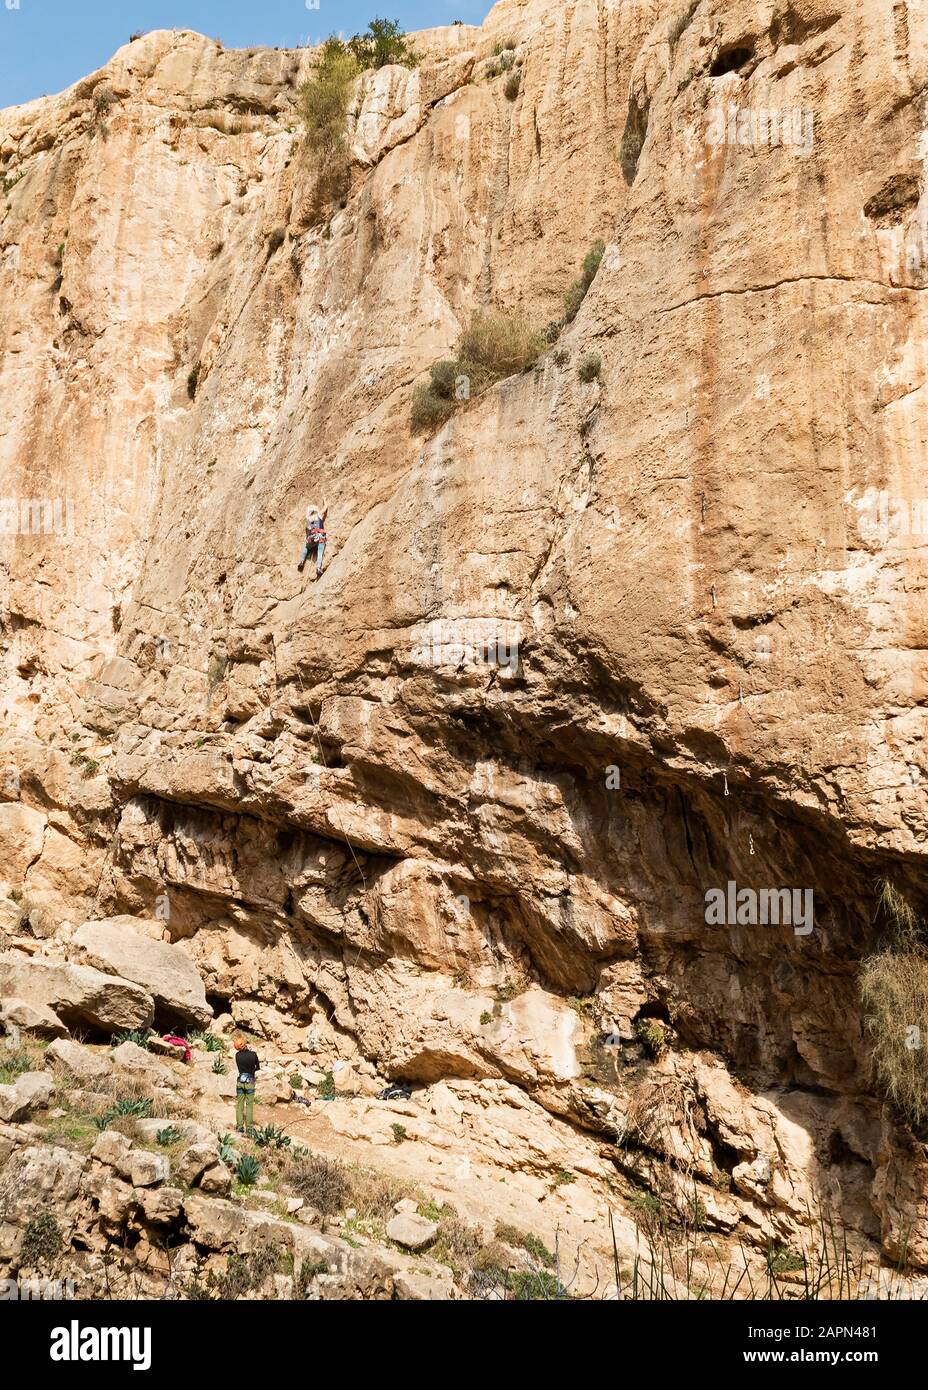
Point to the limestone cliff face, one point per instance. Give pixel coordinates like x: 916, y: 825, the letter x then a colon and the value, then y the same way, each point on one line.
x: 706, y: 561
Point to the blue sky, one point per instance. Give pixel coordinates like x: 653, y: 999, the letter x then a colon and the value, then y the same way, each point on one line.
x: 45, y: 45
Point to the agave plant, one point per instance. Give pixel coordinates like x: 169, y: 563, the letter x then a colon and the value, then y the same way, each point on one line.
x: 141, y: 1109
x: 271, y: 1136
x: 210, y: 1042
x: 227, y: 1153
x: 247, y: 1169
x: 140, y: 1036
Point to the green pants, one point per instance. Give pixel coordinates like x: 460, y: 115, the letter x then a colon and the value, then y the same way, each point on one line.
x: 244, y: 1104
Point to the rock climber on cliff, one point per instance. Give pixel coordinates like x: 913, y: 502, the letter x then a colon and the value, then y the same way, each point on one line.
x: 315, y: 536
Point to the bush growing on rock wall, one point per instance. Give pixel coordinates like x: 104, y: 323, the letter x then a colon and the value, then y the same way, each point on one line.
x: 496, y: 345
x: 492, y: 347
x: 382, y: 43
x: 590, y: 366
x: 578, y: 290
x: 893, y: 987
x: 323, y: 104
x: 894, y: 991
x: 42, y: 1242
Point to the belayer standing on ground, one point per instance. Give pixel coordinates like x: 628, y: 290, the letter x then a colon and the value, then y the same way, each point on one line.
x: 315, y: 536
x: 247, y: 1062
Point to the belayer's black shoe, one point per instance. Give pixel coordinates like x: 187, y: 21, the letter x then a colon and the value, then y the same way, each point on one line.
x: 300, y: 566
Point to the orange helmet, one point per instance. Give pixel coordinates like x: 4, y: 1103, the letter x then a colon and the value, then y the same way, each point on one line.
x: 238, y: 1042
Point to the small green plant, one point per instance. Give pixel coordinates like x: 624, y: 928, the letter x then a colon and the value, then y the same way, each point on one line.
x: 581, y: 1004
x: 590, y: 367
x: 525, y: 1285
x: 578, y: 290
x: 525, y: 1240
x: 117, y: 617
x: 326, y: 1087
x: 562, y: 1178
x: 296, y: 1081
x: 511, y: 89
x: 246, y: 1274
x: 485, y: 1018
x: 399, y: 1132
x: 651, y: 1035
x: 504, y: 46
x: 140, y: 1036
x: 210, y: 1042
x: 89, y: 766
x: 12, y: 180
x: 506, y: 991
x: 123, y: 1108
x: 13, y: 1065
x: 193, y: 379
x: 168, y: 1136
x: 247, y: 1170
x: 649, y: 1212
x: 219, y: 1067
x: 308, y: 1271
x: 227, y: 1151
x: 42, y: 1242
x: 561, y: 357
x: 782, y: 1260
x: 271, y: 1136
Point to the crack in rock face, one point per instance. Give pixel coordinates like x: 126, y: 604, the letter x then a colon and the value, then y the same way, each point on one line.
x: 540, y: 736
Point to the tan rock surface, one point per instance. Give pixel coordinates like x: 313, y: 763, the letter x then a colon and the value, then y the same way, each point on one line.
x: 372, y: 843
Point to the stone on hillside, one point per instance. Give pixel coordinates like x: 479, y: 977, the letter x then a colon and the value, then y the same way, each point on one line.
x: 193, y: 1162
x: 194, y: 1133
x: 412, y: 1231
x: 31, y: 1091
x: 144, y: 1169
x: 111, y: 1148
x: 78, y: 994
x: 40, y: 1177
x: 214, y: 1223
x: 80, y: 1061
x: 11, y: 916
x: 37, y: 1018
x: 165, y: 971
x: 138, y: 1061
x: 117, y: 1201
x: 216, y: 1179
x: 161, y: 1205
x: 424, y: 1286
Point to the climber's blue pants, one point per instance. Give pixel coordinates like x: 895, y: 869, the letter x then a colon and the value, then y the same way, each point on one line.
x: 319, y: 549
